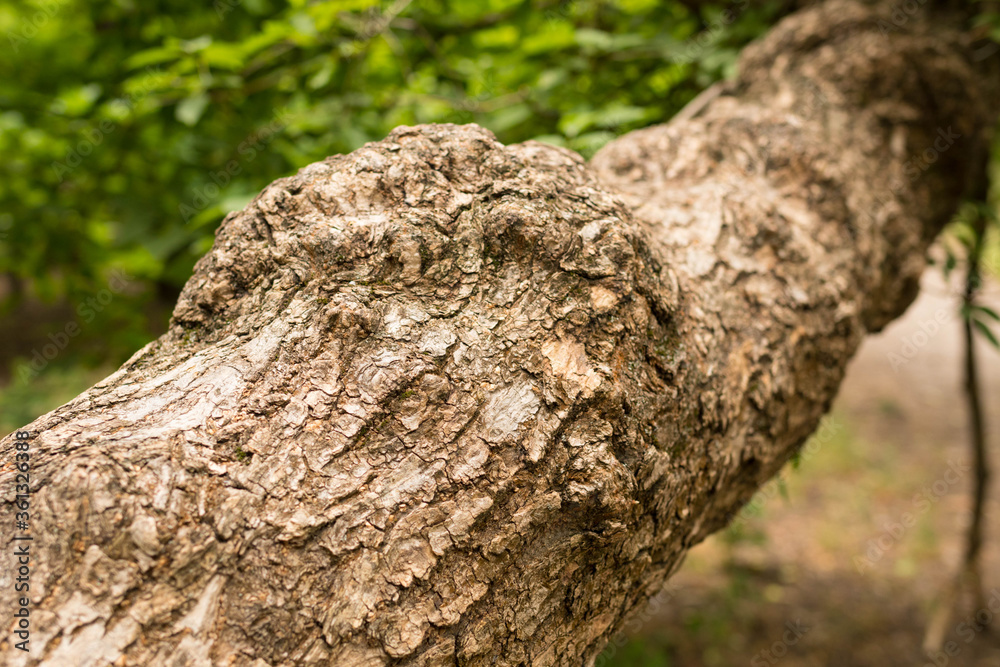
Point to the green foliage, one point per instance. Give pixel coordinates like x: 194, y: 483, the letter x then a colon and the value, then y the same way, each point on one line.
x: 637, y: 652
x: 23, y: 403
x: 130, y: 129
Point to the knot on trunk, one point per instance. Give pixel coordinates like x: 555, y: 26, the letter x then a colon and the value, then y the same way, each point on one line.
x: 437, y: 214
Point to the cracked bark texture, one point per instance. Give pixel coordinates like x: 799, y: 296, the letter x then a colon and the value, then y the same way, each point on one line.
x: 447, y: 402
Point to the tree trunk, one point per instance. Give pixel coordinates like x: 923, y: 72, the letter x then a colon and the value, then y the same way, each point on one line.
x: 446, y: 402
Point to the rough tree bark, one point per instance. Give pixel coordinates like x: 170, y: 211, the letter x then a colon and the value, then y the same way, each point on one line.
x: 446, y: 402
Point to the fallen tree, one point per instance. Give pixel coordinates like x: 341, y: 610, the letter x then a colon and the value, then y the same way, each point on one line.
x: 442, y: 401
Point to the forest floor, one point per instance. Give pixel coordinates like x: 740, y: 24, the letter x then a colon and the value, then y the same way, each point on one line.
x: 826, y: 573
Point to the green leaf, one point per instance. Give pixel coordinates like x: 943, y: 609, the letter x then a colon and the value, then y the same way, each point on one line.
x: 988, y: 211
x: 985, y: 330
x: 950, y: 263
x: 989, y: 312
x: 304, y: 25
x: 199, y: 43
x: 190, y: 109
x: 152, y: 57
x: 499, y: 37
x: 615, y: 116
x: 598, y: 40
x: 555, y: 36
x: 76, y: 101
x: 224, y: 56
x: 509, y: 117
x: 575, y: 122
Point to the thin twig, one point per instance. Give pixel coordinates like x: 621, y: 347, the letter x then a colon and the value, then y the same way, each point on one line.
x: 974, y: 542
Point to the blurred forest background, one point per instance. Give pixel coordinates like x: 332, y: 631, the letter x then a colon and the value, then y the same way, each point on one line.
x: 129, y: 129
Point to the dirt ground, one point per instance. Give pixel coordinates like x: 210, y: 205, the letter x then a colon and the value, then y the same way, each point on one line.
x: 846, y: 560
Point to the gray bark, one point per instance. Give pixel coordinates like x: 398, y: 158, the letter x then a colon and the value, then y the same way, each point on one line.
x: 447, y: 402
